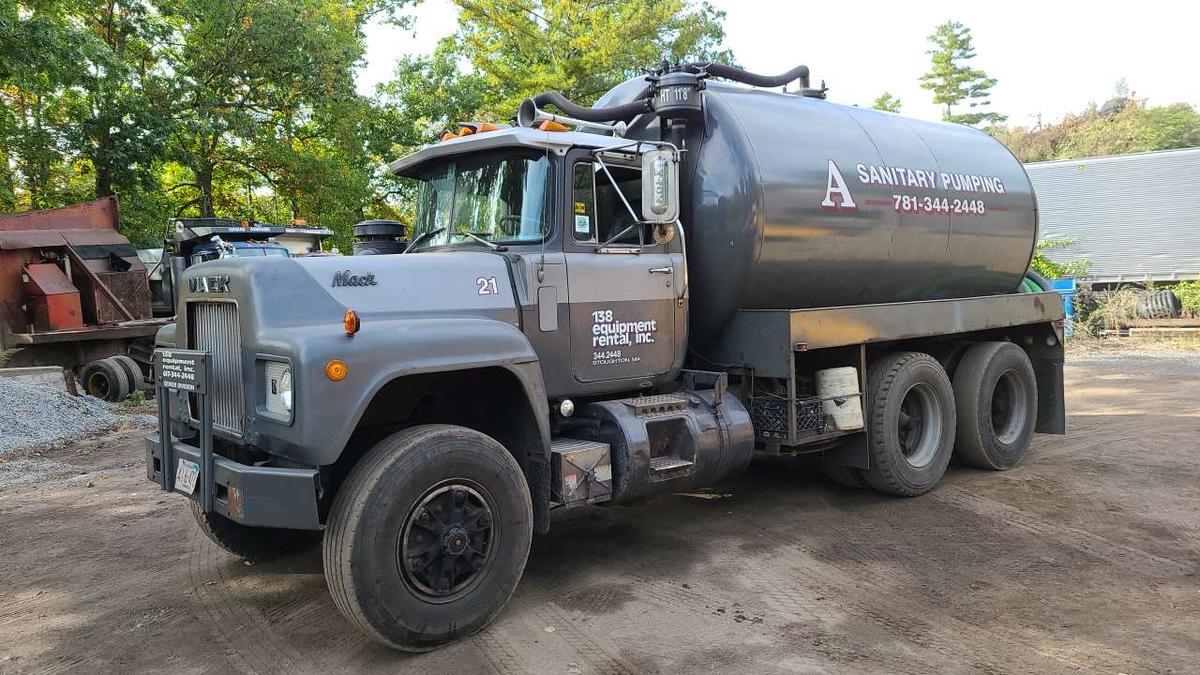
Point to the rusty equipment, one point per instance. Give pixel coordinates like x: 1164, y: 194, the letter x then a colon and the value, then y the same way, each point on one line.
x: 73, y: 292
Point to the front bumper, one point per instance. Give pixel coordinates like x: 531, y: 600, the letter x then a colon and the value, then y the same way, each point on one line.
x: 257, y: 496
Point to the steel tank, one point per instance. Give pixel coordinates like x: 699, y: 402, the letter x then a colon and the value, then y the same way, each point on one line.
x: 793, y: 202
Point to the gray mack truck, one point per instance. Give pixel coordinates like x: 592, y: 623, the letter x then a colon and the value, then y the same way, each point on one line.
x: 603, y: 304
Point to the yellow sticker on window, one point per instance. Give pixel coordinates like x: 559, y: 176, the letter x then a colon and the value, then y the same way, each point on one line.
x: 581, y: 208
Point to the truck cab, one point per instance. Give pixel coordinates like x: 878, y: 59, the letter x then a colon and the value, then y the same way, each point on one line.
x: 536, y: 347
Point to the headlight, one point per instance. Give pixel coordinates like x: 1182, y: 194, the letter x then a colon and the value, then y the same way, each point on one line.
x: 279, y: 387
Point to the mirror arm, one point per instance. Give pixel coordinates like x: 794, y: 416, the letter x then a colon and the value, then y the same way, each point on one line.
x: 604, y: 167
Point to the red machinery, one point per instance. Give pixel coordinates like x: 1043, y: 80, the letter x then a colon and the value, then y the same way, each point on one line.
x: 74, y: 293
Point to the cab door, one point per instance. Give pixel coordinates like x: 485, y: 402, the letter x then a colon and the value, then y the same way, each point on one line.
x: 622, y: 295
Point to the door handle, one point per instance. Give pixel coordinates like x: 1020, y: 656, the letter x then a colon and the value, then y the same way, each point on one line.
x: 666, y: 269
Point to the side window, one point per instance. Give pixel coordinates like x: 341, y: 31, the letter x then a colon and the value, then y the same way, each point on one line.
x: 598, y: 212
x: 583, y: 203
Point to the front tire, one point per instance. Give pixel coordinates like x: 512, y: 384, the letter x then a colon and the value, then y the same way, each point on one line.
x: 428, y: 536
x: 911, y: 422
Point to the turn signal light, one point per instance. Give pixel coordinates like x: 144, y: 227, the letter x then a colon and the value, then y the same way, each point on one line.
x: 336, y: 370
x: 551, y: 125
x: 351, y: 322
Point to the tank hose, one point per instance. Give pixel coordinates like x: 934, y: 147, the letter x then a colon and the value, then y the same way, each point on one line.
x: 753, y: 79
x: 1039, y: 281
x: 625, y: 111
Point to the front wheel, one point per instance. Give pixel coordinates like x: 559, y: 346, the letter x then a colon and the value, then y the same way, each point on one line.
x: 428, y: 536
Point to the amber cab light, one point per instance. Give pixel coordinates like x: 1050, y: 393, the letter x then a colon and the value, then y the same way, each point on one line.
x: 336, y: 370
x: 351, y: 322
x: 551, y: 125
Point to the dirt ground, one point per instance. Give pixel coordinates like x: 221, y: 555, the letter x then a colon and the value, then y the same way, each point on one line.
x: 1083, y: 559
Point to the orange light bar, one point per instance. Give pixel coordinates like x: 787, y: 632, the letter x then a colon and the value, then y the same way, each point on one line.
x: 448, y: 135
x: 551, y: 125
x: 350, y: 322
x: 488, y: 126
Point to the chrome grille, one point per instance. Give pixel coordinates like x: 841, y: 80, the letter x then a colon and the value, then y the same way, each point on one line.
x: 213, y: 327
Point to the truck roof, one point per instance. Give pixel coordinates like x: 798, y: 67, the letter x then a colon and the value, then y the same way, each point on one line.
x: 520, y: 137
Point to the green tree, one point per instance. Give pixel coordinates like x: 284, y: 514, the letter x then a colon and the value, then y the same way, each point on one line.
x: 119, y: 110
x: 582, y: 49
x: 270, y: 127
x: 887, y: 103
x: 1050, y: 269
x: 953, y: 81
x: 1120, y: 126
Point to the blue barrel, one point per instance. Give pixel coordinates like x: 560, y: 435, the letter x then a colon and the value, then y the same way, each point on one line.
x: 1067, y: 288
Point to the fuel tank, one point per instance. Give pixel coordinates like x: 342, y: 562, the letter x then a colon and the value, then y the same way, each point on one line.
x: 793, y: 202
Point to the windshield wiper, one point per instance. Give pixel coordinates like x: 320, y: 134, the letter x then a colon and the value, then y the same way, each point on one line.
x: 492, y: 245
x: 422, y: 237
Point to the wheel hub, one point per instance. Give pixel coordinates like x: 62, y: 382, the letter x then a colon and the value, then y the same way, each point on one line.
x: 447, y: 540
x: 919, y: 425
x: 454, y: 541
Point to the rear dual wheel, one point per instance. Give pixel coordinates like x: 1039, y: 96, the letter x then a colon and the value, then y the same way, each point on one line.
x: 996, y: 391
x: 917, y: 419
x: 106, y: 379
x: 910, y: 423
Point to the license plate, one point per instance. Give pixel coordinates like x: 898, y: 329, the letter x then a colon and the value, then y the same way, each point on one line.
x: 186, y: 474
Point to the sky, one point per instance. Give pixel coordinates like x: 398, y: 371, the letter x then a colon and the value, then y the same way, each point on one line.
x: 1050, y: 57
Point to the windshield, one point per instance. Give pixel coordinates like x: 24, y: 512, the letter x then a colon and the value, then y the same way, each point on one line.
x: 501, y: 197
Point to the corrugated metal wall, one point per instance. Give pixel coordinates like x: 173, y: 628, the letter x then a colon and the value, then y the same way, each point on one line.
x: 1136, y: 217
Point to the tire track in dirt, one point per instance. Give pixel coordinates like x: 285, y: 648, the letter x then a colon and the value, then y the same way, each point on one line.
x: 248, y: 638
x: 1128, y: 557
x: 496, y: 647
x: 592, y: 653
x: 885, y: 600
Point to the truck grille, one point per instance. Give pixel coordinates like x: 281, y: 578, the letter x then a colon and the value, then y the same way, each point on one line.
x: 213, y: 328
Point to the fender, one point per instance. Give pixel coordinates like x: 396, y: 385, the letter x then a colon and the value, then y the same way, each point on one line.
x: 326, y: 412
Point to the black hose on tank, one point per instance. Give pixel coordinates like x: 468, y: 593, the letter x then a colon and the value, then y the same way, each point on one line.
x: 753, y: 79
x: 625, y: 111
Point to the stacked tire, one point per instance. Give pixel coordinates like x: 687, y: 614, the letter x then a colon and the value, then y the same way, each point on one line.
x: 917, y: 418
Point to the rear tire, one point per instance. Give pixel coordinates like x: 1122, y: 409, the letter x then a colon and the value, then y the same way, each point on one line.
x: 428, y: 536
x: 996, y: 391
x: 910, y: 424
x: 258, y: 544
x: 137, y: 381
x: 106, y: 380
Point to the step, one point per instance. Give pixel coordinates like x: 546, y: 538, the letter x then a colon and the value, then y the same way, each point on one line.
x: 659, y: 403
x: 668, y: 464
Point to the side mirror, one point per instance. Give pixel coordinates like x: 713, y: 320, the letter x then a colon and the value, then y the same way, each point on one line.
x: 660, y: 187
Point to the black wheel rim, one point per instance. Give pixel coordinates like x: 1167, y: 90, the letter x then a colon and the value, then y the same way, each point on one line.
x: 98, y: 385
x: 447, y: 540
x: 1010, y: 407
x: 919, y: 425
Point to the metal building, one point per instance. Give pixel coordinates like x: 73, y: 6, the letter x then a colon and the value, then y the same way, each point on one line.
x: 1136, y: 217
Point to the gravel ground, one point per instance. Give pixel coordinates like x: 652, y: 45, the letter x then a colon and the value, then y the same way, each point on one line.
x: 35, y: 417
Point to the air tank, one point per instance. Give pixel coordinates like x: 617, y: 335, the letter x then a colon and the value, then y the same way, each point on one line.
x: 791, y: 201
